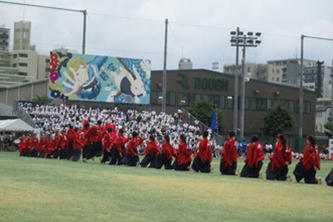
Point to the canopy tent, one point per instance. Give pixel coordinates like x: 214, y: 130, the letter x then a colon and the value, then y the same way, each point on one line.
x: 14, y: 125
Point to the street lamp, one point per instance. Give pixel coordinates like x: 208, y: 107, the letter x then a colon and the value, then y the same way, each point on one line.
x: 240, y: 39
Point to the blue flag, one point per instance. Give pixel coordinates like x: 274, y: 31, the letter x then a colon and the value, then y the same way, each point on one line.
x: 213, y: 126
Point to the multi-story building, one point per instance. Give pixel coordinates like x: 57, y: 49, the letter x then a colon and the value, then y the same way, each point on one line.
x: 24, y: 57
x: 4, y: 38
x: 287, y: 70
x: 22, y: 35
x: 311, y: 78
x: 252, y: 70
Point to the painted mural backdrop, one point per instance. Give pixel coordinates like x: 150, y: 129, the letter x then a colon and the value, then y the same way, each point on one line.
x: 99, y: 78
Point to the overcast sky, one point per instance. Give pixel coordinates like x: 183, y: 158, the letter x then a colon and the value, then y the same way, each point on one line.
x: 199, y: 29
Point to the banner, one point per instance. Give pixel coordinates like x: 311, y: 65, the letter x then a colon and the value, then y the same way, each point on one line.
x: 99, y: 78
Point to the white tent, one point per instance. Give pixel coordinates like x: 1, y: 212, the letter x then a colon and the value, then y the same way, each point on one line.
x: 14, y: 125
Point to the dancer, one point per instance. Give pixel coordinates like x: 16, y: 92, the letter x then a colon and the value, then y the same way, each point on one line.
x: 310, y: 163
x: 254, y: 159
x: 277, y: 169
x: 166, y: 154
x: 183, y: 159
x: 132, y: 157
x: 203, y: 159
x: 228, y: 164
x: 151, y: 153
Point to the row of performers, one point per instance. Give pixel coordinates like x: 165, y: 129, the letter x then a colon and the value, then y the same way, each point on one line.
x: 97, y: 140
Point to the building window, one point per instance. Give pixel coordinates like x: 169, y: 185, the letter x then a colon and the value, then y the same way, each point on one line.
x: 261, y: 104
x: 222, y: 101
x: 277, y: 79
x: 230, y: 102
x: 23, y: 55
x: 15, y: 56
x: 23, y: 73
x: 183, y: 99
x: 14, y: 65
x: 23, y: 64
x: 171, y: 98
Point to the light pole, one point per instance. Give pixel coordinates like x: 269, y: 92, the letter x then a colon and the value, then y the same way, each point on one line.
x: 164, y: 87
x: 250, y: 39
x: 235, y: 41
x: 300, y: 122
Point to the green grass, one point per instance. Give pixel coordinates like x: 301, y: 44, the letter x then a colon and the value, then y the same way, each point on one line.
x: 53, y: 190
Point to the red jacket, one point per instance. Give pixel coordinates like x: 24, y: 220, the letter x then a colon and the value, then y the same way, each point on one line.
x: 119, y: 142
x: 311, y: 157
x: 108, y: 140
x: 152, y: 148
x: 71, y: 134
x: 205, y: 151
x: 281, y: 156
x: 183, y: 154
x: 91, y: 135
x: 22, y: 145
x: 229, y: 153
x: 27, y: 143
x: 43, y: 143
x: 79, y: 141
x: 63, y: 141
x: 255, y: 154
x: 52, y: 145
x: 132, y: 145
x: 34, y: 142
x: 168, y: 150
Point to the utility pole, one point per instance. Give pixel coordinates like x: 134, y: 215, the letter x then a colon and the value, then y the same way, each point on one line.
x: 84, y: 31
x: 236, y: 78
x: 332, y: 94
x: 61, y: 9
x: 164, y: 88
x: 242, y: 104
x: 300, y: 123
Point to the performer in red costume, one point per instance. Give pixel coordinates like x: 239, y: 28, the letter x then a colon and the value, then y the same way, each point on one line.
x: 254, y: 159
x: 183, y: 159
x: 203, y: 159
x: 151, y: 152
x: 309, y: 164
x: 228, y: 164
x: 132, y: 158
x: 278, y: 167
x: 166, y: 154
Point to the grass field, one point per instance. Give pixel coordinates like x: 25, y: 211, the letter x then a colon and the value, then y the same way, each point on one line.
x: 53, y: 190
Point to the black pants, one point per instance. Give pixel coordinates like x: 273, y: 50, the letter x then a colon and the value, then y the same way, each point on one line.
x: 98, y: 149
x: 329, y: 178
x: 76, y: 155
x: 115, y: 156
x: 163, y: 160
x: 69, y: 151
x: 106, y: 156
x: 150, y: 158
x: 87, y: 151
x: 62, y: 153
x: 131, y: 160
x: 183, y: 167
x: 276, y: 174
x: 309, y: 175
x: 56, y: 153
x: 230, y: 170
x: 198, y: 165
x: 252, y: 172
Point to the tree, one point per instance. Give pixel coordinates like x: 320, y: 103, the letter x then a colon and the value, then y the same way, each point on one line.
x: 41, y: 100
x: 277, y: 120
x: 329, y: 127
x: 203, y: 110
